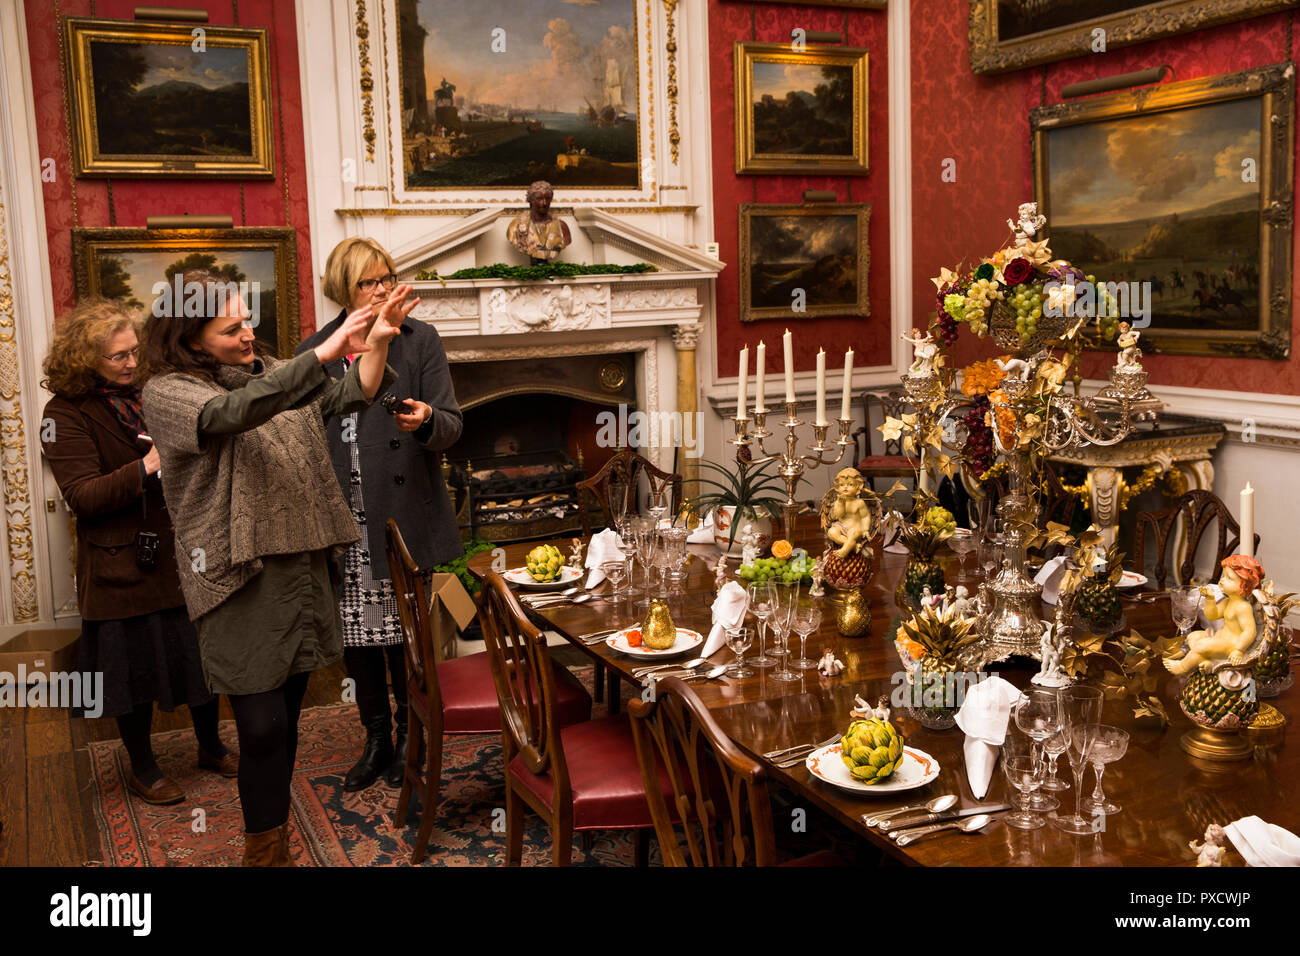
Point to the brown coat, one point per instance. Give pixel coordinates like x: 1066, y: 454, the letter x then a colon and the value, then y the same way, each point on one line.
x: 96, y: 464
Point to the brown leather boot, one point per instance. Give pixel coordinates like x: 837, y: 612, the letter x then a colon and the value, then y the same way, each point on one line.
x: 260, y: 848
x: 282, y: 857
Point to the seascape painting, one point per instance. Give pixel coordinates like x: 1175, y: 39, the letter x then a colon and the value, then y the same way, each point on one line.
x: 500, y: 93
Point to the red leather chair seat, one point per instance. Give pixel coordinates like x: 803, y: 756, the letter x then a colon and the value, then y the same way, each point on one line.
x: 469, y: 697
x: 604, y: 774
x: 886, y: 465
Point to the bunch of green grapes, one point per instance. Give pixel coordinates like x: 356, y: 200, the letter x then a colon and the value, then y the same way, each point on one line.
x: 798, y: 567
x: 1027, y: 300
x: 979, y: 298
x: 940, y: 520
x: 1107, y: 312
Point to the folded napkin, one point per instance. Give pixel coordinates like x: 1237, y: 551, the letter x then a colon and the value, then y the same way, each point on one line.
x: 704, y: 533
x: 603, y: 547
x: 983, y: 718
x: 728, y: 611
x: 1264, y: 844
x: 1049, y: 576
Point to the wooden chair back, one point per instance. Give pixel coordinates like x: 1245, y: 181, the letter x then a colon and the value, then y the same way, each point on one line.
x: 627, y: 466
x: 891, y: 406
x: 1199, y: 509
x: 1055, y: 503
x: 721, y: 814
x: 413, y: 613
x: 525, y: 685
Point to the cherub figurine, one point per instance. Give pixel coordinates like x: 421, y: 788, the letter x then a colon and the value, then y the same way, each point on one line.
x: 1130, y: 356
x: 1210, y: 853
x: 818, y: 573
x: 1030, y: 221
x: 748, y: 544
x: 720, y: 572
x: 963, y: 604
x: 924, y: 350
x: 575, y: 554
x: 850, y: 521
x: 1050, y: 674
x: 1230, y: 643
x: 829, y: 665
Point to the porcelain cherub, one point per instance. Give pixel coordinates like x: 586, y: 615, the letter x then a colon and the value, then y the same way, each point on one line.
x: 748, y: 544
x: 1029, y: 222
x: 720, y: 572
x: 1230, y: 643
x: 818, y: 573
x: 923, y: 350
x: 1050, y: 674
x: 850, y: 521
x: 1210, y: 853
x: 575, y: 554
x: 1130, y: 356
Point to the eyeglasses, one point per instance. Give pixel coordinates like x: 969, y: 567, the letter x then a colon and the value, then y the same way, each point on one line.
x: 368, y: 285
x: 120, y: 358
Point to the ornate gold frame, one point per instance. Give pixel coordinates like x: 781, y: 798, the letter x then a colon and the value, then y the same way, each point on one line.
x: 847, y: 4
x: 87, y: 244
x: 88, y: 160
x: 748, y: 161
x: 988, y: 54
x: 861, y: 309
x: 1275, y: 86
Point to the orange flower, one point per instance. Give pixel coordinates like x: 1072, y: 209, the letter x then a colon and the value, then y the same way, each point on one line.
x: 781, y: 549
x: 1006, y: 418
x: 980, y: 378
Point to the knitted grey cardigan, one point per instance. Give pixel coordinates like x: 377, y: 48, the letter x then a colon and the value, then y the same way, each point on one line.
x: 266, y: 490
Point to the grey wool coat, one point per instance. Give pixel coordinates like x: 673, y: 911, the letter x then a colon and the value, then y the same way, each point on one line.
x: 401, y: 474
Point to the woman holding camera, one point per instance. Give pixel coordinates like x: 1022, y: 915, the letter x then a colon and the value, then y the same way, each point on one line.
x: 386, y: 461
x: 134, y: 627
x: 260, y: 519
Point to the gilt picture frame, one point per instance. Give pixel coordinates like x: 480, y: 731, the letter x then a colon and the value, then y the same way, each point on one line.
x: 1192, y: 200
x: 160, y: 100
x: 127, y: 262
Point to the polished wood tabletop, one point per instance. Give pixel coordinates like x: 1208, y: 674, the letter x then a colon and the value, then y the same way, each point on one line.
x: 1168, y: 797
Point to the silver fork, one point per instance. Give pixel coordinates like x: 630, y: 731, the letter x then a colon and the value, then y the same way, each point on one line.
x: 779, y: 754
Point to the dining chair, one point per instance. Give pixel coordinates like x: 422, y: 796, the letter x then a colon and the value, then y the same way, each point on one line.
x: 1199, y: 509
x: 580, y: 777
x: 627, y: 466
x: 891, y: 463
x: 722, y: 813
x: 456, y: 696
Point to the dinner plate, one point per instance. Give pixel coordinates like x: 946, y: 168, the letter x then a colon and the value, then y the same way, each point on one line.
x: 916, y: 769
x: 521, y: 578
x: 687, y: 640
x: 1130, y: 579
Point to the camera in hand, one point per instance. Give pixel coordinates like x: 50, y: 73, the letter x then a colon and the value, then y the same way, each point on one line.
x: 396, y: 406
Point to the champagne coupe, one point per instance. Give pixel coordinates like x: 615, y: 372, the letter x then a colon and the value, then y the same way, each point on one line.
x: 1184, y: 605
x: 787, y: 600
x: 963, y: 542
x: 1054, y: 746
x: 1081, y: 709
x: 1025, y: 774
x: 762, y: 601
x: 1111, y: 745
x: 615, y: 571
x: 627, y: 533
x: 807, y: 618
x: 739, y: 639
x: 1039, y: 715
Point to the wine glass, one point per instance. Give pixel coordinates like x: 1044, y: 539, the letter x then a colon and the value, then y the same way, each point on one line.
x: 762, y: 601
x: 1039, y: 715
x: 1054, y: 746
x: 674, y: 540
x: 1025, y: 774
x: 990, y: 555
x: 1081, y: 710
x: 787, y: 600
x: 657, y: 500
x: 647, y: 542
x: 1111, y: 745
x: 618, y: 499
x: 807, y: 618
x: 615, y: 571
x: 963, y: 542
x: 627, y: 534
x: 978, y: 511
x: 739, y: 639
x: 1184, y: 605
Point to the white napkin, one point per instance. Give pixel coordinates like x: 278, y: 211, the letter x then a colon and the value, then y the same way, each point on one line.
x: 603, y: 547
x: 1049, y: 576
x: 704, y: 533
x: 728, y: 611
x: 983, y: 718
x: 1264, y: 844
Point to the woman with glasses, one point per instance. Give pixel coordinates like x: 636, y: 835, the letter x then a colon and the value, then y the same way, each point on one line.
x: 135, y: 630
x: 387, y: 463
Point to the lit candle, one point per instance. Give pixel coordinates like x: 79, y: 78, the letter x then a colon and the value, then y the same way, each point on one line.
x: 758, y: 376
x: 1248, y: 521
x: 846, y: 397
x: 789, y: 367
x: 740, y: 383
x: 821, y: 387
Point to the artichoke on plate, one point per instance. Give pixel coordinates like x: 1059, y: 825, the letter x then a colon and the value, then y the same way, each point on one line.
x: 872, y: 750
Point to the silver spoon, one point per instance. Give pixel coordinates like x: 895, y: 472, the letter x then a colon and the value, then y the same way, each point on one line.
x: 709, y: 674
x: 689, y: 665
x: 937, y: 805
x: 968, y: 825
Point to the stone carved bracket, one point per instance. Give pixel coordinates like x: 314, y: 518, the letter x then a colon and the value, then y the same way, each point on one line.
x: 563, y: 307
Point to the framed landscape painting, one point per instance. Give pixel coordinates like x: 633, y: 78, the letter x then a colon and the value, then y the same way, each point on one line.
x: 798, y: 261
x: 498, y: 94
x: 1010, y: 34
x: 1185, y: 189
x: 128, y: 263
x: 160, y: 100
x: 801, y: 112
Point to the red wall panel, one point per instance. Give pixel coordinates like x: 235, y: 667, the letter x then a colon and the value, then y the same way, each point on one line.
x: 133, y: 200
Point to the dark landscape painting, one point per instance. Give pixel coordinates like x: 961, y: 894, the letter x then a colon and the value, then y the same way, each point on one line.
x: 500, y: 93
x: 798, y: 257
x: 1020, y: 18
x: 166, y: 99
x: 803, y: 108
x: 1162, y: 198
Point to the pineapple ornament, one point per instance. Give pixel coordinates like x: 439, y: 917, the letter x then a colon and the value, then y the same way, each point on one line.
x: 947, y: 643
x: 1097, y: 601
x: 849, y: 519
x: 922, y: 540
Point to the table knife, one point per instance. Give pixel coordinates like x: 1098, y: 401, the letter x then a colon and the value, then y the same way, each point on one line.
x: 903, y: 823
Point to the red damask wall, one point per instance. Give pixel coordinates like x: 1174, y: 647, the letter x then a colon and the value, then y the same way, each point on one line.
x: 982, y: 122
x: 250, y: 202
x: 772, y: 23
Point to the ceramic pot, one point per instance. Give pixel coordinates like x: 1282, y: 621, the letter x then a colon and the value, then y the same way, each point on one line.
x: 724, y: 515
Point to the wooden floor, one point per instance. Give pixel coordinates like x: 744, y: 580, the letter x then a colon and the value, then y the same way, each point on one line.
x: 45, y: 785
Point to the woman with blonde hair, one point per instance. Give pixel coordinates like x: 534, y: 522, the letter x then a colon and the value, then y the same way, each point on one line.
x: 387, y: 465
x: 134, y: 627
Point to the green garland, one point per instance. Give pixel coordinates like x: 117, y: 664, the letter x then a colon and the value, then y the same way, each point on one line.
x: 460, y: 566
x: 554, y: 270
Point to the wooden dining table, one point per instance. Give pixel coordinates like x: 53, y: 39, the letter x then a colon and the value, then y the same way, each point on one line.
x: 1168, y: 797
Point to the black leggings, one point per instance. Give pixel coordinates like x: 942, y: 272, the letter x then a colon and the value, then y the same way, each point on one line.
x: 136, y: 726
x: 268, y: 745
